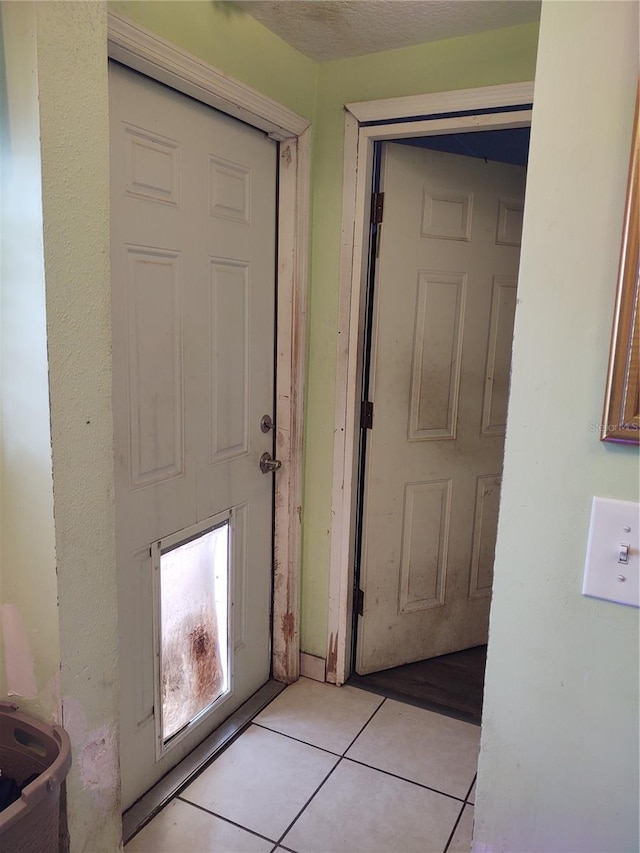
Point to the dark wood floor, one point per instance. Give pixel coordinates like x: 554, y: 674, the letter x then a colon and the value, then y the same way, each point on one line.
x: 452, y: 684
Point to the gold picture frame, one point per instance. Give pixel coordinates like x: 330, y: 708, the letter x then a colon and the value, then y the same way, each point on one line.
x: 621, y: 418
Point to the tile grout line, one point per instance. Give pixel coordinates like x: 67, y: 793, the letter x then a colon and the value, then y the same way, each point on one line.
x: 464, y: 805
x: 340, y: 758
x: 225, y: 819
x: 298, y: 740
x: 344, y: 757
x: 455, y: 826
x: 364, y: 764
x: 323, y: 748
x: 409, y: 781
x: 466, y: 799
x: 298, y: 815
x: 395, y: 775
x: 363, y: 727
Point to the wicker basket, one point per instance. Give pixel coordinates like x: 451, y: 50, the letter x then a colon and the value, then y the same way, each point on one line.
x: 30, y: 825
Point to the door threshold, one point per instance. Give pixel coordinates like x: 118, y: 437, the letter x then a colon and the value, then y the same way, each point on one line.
x: 450, y: 684
x: 141, y: 812
x: 360, y: 681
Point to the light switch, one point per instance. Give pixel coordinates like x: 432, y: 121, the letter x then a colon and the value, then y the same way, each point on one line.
x: 612, y: 566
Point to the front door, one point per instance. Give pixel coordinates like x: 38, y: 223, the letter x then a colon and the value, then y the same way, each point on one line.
x: 193, y: 195
x: 445, y: 297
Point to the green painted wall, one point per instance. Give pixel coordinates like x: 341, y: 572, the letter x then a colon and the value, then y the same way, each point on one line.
x: 559, y: 758
x: 560, y: 735
x: 501, y: 56
x: 68, y: 73
x: 226, y: 38
x: 31, y: 653
x: 238, y: 45
x: 57, y: 523
x: 58, y: 556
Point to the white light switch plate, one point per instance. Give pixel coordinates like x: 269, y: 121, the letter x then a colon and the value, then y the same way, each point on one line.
x: 614, y: 530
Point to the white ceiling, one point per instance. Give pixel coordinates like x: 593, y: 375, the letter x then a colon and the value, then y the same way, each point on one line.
x: 340, y: 28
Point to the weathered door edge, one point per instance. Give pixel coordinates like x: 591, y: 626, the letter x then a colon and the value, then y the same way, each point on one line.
x: 143, y: 51
x: 358, y: 164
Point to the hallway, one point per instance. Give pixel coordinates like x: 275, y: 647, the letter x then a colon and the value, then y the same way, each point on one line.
x: 329, y: 770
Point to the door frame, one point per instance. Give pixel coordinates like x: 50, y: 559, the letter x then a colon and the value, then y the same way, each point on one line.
x: 366, y: 123
x: 159, y: 59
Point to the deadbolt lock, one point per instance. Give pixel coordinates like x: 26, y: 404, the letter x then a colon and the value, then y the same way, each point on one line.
x: 266, y: 423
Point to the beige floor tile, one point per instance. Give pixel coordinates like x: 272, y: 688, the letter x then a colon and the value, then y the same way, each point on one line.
x: 261, y: 781
x: 320, y: 714
x: 422, y: 746
x: 461, y: 841
x: 360, y: 810
x: 182, y: 828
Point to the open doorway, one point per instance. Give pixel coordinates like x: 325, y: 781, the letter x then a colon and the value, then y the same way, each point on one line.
x: 367, y: 125
x: 443, y: 264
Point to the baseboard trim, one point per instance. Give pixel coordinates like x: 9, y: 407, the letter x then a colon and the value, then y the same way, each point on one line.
x: 313, y: 667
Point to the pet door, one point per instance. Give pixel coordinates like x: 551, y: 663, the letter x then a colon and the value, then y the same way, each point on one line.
x: 192, y: 581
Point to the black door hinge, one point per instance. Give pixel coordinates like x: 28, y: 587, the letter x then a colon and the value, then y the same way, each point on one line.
x: 366, y: 419
x: 377, y: 207
x: 359, y: 601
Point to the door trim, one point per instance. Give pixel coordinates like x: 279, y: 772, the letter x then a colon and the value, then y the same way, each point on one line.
x: 144, y: 51
x: 360, y: 136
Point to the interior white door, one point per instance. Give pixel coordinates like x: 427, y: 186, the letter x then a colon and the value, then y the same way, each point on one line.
x: 193, y: 195
x: 445, y: 297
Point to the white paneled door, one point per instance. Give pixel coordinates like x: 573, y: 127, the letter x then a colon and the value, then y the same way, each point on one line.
x: 445, y: 299
x: 193, y: 291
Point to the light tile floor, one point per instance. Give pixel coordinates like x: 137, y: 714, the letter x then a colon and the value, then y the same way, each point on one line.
x: 329, y: 770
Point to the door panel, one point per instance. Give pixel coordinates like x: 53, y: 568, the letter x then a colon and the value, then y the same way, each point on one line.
x: 440, y: 361
x: 193, y: 300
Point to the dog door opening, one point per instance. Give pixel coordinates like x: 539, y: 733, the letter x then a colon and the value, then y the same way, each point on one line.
x: 194, y: 635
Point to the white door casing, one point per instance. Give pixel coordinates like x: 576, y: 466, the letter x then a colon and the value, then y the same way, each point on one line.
x: 193, y: 201
x: 358, y: 162
x: 144, y: 51
x: 440, y: 362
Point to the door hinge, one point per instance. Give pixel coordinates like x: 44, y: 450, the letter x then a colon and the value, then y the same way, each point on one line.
x: 367, y: 415
x: 377, y: 207
x: 359, y: 602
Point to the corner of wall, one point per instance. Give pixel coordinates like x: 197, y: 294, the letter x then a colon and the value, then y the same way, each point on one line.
x: 561, y: 667
x: 74, y: 132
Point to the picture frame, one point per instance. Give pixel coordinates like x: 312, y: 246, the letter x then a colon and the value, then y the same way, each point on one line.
x: 621, y: 417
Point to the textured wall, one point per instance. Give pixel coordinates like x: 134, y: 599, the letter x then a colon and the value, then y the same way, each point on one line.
x: 58, y: 567
x: 31, y: 654
x: 559, y: 759
x: 57, y: 171
x: 72, y: 79
x: 70, y: 41
x: 233, y: 42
